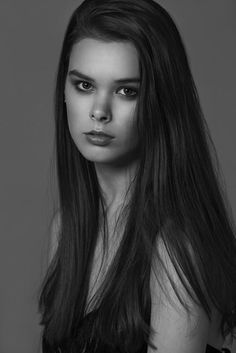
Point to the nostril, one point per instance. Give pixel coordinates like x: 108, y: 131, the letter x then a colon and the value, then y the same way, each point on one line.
x: 100, y: 117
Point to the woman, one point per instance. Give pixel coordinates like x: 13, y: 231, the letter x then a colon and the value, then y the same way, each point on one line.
x: 144, y: 253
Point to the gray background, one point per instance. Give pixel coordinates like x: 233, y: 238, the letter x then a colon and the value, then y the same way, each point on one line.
x: 30, y: 36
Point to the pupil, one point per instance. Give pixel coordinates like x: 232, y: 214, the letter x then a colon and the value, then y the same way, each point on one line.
x: 85, y: 84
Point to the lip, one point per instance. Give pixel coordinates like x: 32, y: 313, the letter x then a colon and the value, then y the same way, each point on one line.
x: 98, y: 139
x: 98, y: 133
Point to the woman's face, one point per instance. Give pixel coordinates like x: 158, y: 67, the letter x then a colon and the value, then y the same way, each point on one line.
x: 101, y: 93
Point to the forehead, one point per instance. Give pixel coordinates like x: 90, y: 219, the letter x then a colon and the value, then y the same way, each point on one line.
x: 100, y: 59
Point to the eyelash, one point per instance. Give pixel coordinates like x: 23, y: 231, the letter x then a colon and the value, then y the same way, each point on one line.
x: 76, y: 83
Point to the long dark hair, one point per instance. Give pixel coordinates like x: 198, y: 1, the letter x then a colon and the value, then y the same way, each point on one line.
x: 176, y: 195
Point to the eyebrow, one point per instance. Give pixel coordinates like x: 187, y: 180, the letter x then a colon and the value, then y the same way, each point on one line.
x: 121, y: 80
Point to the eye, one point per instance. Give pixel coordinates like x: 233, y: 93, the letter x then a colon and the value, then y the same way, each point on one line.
x: 128, y: 91
x: 83, y: 86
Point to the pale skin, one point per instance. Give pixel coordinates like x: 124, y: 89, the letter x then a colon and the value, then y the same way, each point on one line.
x: 104, y: 104
x: 112, y: 109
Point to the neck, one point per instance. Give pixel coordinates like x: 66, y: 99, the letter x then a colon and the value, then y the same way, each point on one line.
x: 115, y: 181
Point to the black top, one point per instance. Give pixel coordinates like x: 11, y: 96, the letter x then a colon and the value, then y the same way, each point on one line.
x: 82, y: 343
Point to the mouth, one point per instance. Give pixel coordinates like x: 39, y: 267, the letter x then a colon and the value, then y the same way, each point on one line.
x: 98, y: 138
x: 98, y: 134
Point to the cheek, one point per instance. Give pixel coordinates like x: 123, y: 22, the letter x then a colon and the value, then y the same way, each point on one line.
x: 76, y: 109
x: 77, y: 106
x: 127, y: 122
x: 77, y: 113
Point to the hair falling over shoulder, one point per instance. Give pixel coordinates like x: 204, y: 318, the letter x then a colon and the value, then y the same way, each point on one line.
x: 177, y: 195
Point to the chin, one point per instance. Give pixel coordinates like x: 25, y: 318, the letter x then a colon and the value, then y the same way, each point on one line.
x: 105, y: 159
x: 107, y: 155
x: 99, y: 157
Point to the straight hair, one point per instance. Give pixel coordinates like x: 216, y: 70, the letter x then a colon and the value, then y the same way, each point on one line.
x: 176, y: 196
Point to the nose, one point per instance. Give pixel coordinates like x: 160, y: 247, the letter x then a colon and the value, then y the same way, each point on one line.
x: 101, y: 111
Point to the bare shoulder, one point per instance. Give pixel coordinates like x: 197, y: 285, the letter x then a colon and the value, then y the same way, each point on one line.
x: 175, y: 328
x: 166, y: 285
x: 55, y: 227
